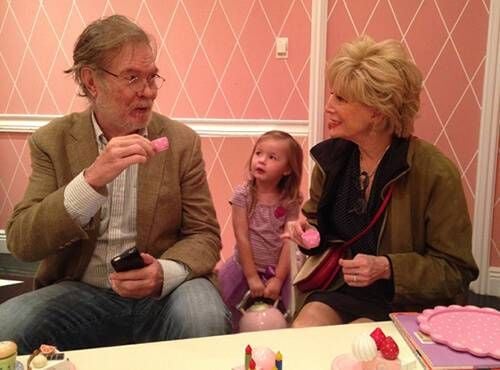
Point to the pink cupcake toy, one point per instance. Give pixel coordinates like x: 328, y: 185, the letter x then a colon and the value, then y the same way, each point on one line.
x: 310, y: 238
x: 160, y: 144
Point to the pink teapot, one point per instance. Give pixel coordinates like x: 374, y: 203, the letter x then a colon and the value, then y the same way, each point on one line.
x: 260, y: 315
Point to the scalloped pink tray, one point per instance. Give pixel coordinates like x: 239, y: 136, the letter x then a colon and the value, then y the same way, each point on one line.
x: 464, y: 328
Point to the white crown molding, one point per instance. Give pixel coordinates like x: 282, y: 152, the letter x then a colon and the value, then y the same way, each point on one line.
x: 23, y: 122
x: 487, y: 157
x: 203, y: 126
x: 244, y: 127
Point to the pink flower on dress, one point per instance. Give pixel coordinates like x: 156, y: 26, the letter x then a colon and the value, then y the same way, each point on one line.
x: 279, y: 212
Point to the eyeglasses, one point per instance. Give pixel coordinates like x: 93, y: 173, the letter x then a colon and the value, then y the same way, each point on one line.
x: 137, y: 84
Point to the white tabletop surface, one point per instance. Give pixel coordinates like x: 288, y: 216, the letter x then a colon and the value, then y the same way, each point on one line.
x: 302, y: 349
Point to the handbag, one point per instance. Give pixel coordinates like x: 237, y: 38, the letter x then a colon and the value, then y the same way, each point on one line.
x: 318, y: 271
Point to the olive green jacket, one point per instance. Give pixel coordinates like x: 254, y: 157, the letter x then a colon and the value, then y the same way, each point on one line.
x: 426, y: 231
x: 175, y: 215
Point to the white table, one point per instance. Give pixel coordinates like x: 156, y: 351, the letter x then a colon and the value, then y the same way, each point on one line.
x: 302, y: 349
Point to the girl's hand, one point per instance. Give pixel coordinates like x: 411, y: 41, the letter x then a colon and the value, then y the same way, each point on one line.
x: 256, y: 286
x: 273, y: 288
x: 365, y: 269
x: 295, y: 229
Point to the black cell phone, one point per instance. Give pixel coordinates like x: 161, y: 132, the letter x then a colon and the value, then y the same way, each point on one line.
x: 128, y: 260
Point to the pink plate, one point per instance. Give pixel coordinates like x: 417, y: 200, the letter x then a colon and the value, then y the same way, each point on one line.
x: 464, y: 328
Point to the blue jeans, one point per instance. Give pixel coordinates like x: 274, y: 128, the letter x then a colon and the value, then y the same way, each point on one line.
x: 73, y: 315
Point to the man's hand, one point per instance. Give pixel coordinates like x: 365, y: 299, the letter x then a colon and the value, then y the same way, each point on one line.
x: 139, y: 283
x: 120, y: 153
x: 365, y: 269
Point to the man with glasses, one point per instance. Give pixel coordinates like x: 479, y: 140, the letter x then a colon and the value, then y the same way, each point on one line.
x: 100, y: 186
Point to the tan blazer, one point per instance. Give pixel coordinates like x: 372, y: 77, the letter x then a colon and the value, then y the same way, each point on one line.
x: 175, y: 215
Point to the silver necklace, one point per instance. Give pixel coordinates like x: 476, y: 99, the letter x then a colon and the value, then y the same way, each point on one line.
x: 364, y: 181
x: 365, y: 177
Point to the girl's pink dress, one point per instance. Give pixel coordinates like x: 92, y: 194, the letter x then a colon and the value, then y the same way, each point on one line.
x: 265, y: 224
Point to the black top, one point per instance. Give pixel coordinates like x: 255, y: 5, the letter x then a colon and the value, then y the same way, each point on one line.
x: 348, y: 218
x: 345, y: 219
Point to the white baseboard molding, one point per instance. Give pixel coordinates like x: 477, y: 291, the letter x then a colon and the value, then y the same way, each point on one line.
x: 494, y: 281
x: 207, y: 127
x: 3, y: 242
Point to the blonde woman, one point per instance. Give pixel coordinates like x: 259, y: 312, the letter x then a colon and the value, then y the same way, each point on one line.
x: 418, y: 253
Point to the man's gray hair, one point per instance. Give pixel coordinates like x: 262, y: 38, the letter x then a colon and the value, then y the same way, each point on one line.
x: 100, y: 42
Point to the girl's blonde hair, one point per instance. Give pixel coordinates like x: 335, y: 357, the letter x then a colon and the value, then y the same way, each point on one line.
x: 380, y: 75
x: 289, y: 185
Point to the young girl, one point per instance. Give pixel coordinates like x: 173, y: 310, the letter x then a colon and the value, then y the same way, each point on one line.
x: 260, y: 209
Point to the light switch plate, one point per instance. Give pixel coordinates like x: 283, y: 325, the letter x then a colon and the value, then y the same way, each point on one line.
x: 281, y: 47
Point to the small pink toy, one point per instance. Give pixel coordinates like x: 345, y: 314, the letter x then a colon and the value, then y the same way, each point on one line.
x: 160, y: 144
x: 310, y: 238
x: 264, y: 358
x: 365, y: 356
x: 261, y: 358
x: 346, y: 361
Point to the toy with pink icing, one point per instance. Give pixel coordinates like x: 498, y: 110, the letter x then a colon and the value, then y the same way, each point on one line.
x: 261, y: 358
x: 160, y: 144
x: 310, y: 238
x: 374, y: 351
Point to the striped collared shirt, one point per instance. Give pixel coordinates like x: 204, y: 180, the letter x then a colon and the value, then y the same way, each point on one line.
x: 117, y: 226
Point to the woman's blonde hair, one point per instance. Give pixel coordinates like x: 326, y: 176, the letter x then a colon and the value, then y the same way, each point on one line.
x: 100, y: 41
x: 380, y: 75
x: 289, y: 185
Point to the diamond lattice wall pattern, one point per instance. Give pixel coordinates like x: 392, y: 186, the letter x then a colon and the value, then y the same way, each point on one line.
x: 218, y: 59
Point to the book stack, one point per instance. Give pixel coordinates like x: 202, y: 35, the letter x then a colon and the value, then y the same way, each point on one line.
x: 434, y: 355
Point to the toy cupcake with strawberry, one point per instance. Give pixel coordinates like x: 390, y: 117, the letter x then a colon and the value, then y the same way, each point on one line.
x: 372, y: 351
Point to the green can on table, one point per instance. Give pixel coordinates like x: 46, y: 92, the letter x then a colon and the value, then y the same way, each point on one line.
x: 8, y: 353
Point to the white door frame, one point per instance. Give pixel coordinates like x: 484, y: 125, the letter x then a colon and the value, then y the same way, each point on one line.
x: 487, y: 158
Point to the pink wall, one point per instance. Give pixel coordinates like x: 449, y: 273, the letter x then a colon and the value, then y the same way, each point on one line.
x: 217, y: 56
x: 218, y: 59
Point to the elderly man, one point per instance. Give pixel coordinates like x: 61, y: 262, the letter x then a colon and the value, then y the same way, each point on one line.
x: 100, y: 186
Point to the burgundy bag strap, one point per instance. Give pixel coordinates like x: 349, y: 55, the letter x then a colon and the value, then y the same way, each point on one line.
x: 326, y: 271
x: 375, y: 218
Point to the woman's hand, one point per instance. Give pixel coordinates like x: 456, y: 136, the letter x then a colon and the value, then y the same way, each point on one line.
x: 365, y: 269
x: 256, y: 286
x: 273, y: 288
